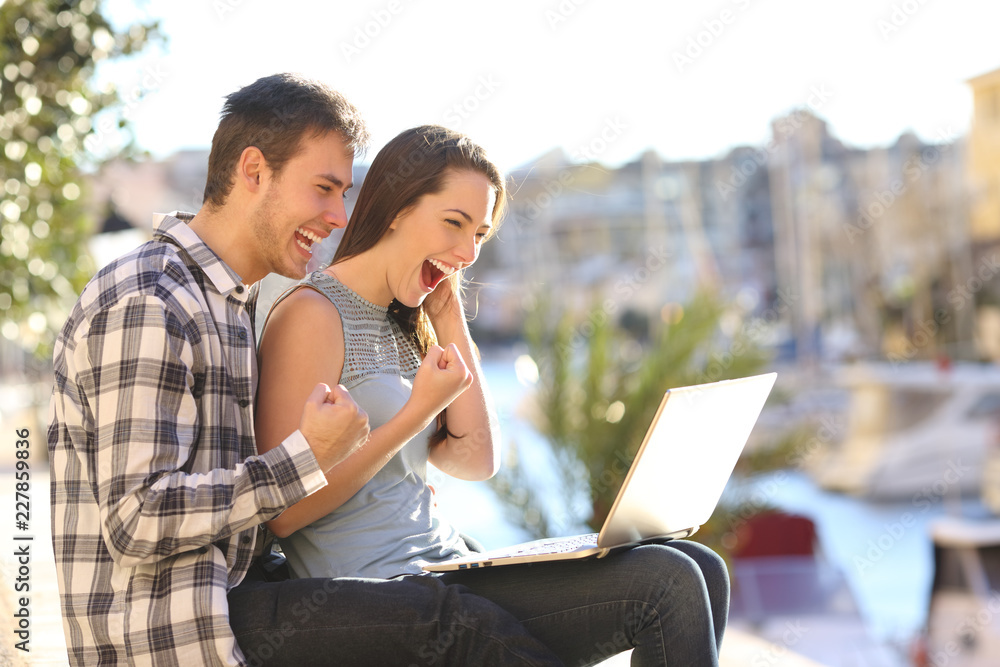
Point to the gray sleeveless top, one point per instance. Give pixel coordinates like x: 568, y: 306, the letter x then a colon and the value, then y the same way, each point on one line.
x: 389, y: 527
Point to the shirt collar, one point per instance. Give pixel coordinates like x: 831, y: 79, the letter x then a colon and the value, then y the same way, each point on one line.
x: 174, y: 226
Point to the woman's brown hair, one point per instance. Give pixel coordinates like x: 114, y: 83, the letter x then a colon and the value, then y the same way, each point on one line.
x: 413, y: 164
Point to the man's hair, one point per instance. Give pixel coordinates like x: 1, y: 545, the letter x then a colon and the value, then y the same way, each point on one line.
x: 275, y: 114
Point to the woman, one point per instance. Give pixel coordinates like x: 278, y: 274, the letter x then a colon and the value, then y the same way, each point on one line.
x: 386, y: 320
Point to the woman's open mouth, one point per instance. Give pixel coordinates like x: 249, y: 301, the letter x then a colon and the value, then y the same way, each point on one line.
x: 434, y: 271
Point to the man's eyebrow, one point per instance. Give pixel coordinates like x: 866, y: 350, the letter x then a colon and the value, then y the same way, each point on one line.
x: 336, y: 181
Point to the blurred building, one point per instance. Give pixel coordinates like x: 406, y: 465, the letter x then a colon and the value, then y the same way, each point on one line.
x: 984, y: 201
x: 843, y: 252
x: 869, y: 243
x: 984, y: 159
x: 126, y: 194
x: 634, y: 241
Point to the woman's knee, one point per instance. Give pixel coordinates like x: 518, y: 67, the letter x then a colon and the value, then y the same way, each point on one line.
x: 712, y: 565
x: 672, y: 568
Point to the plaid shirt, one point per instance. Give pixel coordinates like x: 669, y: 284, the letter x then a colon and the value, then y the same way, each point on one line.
x: 157, y: 492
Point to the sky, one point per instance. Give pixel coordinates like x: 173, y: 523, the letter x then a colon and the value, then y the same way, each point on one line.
x: 603, y: 80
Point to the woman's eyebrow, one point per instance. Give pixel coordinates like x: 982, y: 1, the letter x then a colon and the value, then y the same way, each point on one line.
x: 468, y: 218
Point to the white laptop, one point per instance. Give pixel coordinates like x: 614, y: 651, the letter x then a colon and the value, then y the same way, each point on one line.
x: 674, y: 482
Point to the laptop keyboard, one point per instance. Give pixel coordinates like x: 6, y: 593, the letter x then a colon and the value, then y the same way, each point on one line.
x: 555, y: 546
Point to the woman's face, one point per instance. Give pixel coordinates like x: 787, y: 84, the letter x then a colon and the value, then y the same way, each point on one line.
x: 442, y: 233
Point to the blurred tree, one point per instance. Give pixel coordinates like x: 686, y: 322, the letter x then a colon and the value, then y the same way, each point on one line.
x: 48, y: 104
x: 598, y: 387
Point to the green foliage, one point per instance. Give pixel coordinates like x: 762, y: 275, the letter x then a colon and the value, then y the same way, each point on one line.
x: 599, y: 387
x: 599, y: 384
x: 49, y: 51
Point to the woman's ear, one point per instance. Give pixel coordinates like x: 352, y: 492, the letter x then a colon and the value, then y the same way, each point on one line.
x: 399, y: 217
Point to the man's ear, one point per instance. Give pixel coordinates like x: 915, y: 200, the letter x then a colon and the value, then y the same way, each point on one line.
x: 251, y: 169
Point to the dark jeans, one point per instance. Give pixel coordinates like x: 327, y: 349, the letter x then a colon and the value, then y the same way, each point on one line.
x: 409, y: 621
x: 670, y: 602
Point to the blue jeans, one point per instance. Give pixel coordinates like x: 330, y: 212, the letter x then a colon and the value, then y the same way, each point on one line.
x: 669, y: 601
x: 412, y: 621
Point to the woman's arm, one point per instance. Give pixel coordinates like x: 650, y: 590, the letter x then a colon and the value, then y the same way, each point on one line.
x: 304, y: 341
x: 475, y: 454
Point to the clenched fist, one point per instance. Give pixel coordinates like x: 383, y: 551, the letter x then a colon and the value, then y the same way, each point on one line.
x: 442, y: 376
x: 333, y: 424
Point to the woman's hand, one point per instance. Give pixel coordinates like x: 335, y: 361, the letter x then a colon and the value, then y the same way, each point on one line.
x: 442, y: 376
x: 444, y: 306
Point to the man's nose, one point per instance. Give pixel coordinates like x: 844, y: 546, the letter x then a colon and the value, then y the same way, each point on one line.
x: 336, y: 215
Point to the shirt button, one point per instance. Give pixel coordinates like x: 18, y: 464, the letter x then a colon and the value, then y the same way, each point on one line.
x: 244, y: 402
x: 242, y: 334
x: 239, y: 289
x: 246, y: 539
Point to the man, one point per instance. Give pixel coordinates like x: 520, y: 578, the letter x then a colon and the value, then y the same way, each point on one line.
x: 158, y: 496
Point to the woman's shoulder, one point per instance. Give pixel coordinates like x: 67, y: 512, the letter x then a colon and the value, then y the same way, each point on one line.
x: 302, y: 337
x: 307, y: 296
x: 304, y: 309
x: 351, y: 305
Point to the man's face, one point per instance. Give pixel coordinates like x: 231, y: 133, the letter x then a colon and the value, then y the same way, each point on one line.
x: 302, y: 205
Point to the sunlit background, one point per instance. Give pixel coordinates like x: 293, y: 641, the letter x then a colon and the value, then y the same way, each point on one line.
x: 699, y: 191
x: 523, y: 77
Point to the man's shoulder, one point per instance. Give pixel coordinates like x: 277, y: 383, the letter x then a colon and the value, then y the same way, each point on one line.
x: 156, y: 269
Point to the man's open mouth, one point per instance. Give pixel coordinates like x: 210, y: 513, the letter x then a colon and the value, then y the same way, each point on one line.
x: 305, y: 239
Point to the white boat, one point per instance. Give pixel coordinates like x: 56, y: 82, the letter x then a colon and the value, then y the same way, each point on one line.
x: 913, y: 430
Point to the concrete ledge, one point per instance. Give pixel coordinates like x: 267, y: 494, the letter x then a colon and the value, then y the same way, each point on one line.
x: 740, y: 649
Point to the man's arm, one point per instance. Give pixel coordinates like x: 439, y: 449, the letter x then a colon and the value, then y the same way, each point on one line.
x: 136, y: 369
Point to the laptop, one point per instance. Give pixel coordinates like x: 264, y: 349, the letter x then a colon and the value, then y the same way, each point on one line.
x: 674, y: 483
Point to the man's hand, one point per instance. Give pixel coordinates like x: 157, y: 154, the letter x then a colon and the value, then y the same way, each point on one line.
x: 333, y: 424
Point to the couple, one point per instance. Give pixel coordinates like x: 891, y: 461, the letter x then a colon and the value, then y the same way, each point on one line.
x: 175, y: 456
